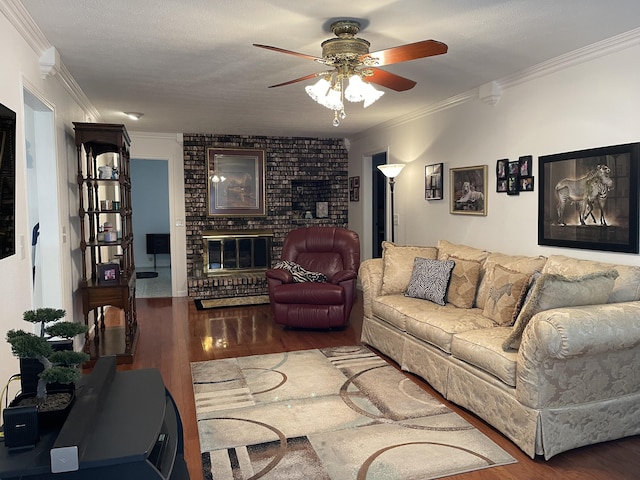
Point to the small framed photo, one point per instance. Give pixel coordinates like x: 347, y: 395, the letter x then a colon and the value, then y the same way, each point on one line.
x: 108, y: 273
x: 433, y: 181
x: 501, y: 169
x: 513, y: 185
x: 527, y: 184
x: 526, y: 166
x: 501, y: 185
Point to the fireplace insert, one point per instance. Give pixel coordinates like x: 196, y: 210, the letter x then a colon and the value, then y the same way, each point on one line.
x: 228, y: 252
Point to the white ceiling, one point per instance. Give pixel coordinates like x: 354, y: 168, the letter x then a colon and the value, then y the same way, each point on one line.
x: 189, y: 65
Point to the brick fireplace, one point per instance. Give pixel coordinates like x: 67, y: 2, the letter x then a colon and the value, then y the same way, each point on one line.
x: 303, y: 177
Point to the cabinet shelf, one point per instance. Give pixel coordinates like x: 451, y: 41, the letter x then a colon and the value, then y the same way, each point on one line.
x: 100, y: 146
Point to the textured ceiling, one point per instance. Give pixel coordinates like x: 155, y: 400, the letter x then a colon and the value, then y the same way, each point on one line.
x: 190, y: 66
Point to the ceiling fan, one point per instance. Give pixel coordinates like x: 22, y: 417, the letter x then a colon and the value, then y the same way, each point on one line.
x: 350, y: 60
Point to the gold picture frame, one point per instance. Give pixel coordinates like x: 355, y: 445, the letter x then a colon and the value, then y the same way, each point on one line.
x: 236, y: 182
x: 469, y: 190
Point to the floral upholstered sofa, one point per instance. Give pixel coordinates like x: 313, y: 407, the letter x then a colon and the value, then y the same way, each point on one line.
x: 546, y: 350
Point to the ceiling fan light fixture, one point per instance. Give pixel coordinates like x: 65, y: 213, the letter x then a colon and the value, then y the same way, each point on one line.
x: 319, y: 89
x: 355, y: 90
x: 371, y: 94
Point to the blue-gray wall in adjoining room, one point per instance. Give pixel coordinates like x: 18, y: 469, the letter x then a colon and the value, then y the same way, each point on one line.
x: 150, y: 203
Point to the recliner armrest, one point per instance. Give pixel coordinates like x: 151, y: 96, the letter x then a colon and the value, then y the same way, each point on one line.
x: 343, y: 275
x: 280, y: 274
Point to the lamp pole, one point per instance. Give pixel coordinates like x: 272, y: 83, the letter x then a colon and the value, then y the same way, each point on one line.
x: 391, y: 171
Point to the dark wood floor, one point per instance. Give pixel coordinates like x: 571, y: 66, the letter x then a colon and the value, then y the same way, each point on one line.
x: 173, y: 334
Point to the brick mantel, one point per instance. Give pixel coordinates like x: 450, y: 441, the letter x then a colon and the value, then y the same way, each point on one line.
x: 291, y: 162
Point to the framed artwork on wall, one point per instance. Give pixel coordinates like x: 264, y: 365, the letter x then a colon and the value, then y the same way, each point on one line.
x: 433, y: 181
x: 235, y: 182
x: 589, y: 199
x: 468, y: 190
x: 354, y: 189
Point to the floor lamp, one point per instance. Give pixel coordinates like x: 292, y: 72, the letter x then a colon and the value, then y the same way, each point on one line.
x: 391, y: 171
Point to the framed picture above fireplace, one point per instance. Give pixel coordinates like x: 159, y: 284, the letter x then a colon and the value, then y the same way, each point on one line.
x: 235, y: 182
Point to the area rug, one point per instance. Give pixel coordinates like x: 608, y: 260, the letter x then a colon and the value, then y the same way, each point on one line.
x: 231, y: 302
x: 335, y: 413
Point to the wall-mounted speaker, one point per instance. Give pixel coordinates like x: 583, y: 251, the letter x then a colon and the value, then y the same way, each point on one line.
x: 21, y: 427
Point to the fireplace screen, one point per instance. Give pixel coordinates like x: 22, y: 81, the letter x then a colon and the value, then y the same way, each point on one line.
x: 230, y: 252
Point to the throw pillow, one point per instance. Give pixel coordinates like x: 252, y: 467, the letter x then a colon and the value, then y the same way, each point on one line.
x: 555, y: 291
x: 429, y: 279
x: 447, y: 249
x: 464, y: 282
x: 506, y: 292
x: 398, y: 263
x: 299, y: 273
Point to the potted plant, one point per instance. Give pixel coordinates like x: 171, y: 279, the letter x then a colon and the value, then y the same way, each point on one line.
x: 58, y: 367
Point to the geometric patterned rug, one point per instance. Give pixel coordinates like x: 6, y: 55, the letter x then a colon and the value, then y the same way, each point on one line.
x: 334, y: 413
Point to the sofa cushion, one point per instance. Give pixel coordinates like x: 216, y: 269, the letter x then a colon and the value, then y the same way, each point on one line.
x: 464, y: 282
x: 398, y: 265
x: 447, y: 249
x: 519, y: 263
x: 438, y: 325
x: 483, y: 348
x: 506, y: 294
x: 555, y: 291
x: 626, y: 287
x: 430, y: 279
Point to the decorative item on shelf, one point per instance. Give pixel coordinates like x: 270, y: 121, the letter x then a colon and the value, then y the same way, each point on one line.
x: 322, y: 209
x: 108, y: 273
x: 116, y: 206
x: 308, y: 214
x: 433, y: 181
x: 105, y: 172
x: 391, y: 171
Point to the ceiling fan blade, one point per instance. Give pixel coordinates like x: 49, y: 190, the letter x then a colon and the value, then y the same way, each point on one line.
x: 289, y: 52
x: 301, y: 79
x: 390, y: 80
x: 411, y: 51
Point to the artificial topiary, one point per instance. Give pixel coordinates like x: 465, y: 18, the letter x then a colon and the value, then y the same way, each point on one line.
x: 59, y: 367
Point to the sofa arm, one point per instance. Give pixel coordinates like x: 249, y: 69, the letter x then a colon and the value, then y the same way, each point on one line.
x: 279, y: 274
x: 588, y: 330
x: 371, y: 278
x: 343, y: 276
x: 576, y: 355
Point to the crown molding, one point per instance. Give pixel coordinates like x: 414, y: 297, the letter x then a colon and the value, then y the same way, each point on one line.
x: 576, y: 57
x: 31, y: 33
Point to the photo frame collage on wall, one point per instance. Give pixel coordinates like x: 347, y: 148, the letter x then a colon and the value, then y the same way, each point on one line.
x: 354, y: 189
x: 513, y: 177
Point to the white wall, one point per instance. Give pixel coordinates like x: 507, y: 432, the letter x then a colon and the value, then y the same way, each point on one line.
x: 590, y: 104
x: 20, y: 69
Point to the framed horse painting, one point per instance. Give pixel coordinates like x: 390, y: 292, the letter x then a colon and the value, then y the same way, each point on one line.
x: 589, y: 199
x: 235, y: 182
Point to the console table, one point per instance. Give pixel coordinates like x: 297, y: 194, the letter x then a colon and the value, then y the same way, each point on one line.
x: 125, y: 425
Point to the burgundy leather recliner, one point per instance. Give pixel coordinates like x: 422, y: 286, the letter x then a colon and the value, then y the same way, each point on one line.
x: 332, y: 251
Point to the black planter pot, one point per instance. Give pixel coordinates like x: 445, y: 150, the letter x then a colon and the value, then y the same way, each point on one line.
x: 30, y: 368
x: 51, y: 418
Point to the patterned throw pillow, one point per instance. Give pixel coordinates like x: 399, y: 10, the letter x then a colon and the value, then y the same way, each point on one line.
x: 464, y: 282
x: 398, y: 262
x: 506, y: 293
x: 299, y: 273
x: 555, y: 291
x: 430, y: 279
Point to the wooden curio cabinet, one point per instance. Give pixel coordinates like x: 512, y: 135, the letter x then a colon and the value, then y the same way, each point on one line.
x: 108, y: 276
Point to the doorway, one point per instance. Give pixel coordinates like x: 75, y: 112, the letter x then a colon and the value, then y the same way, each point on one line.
x: 151, y: 227
x: 379, y: 204
x: 43, y: 203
